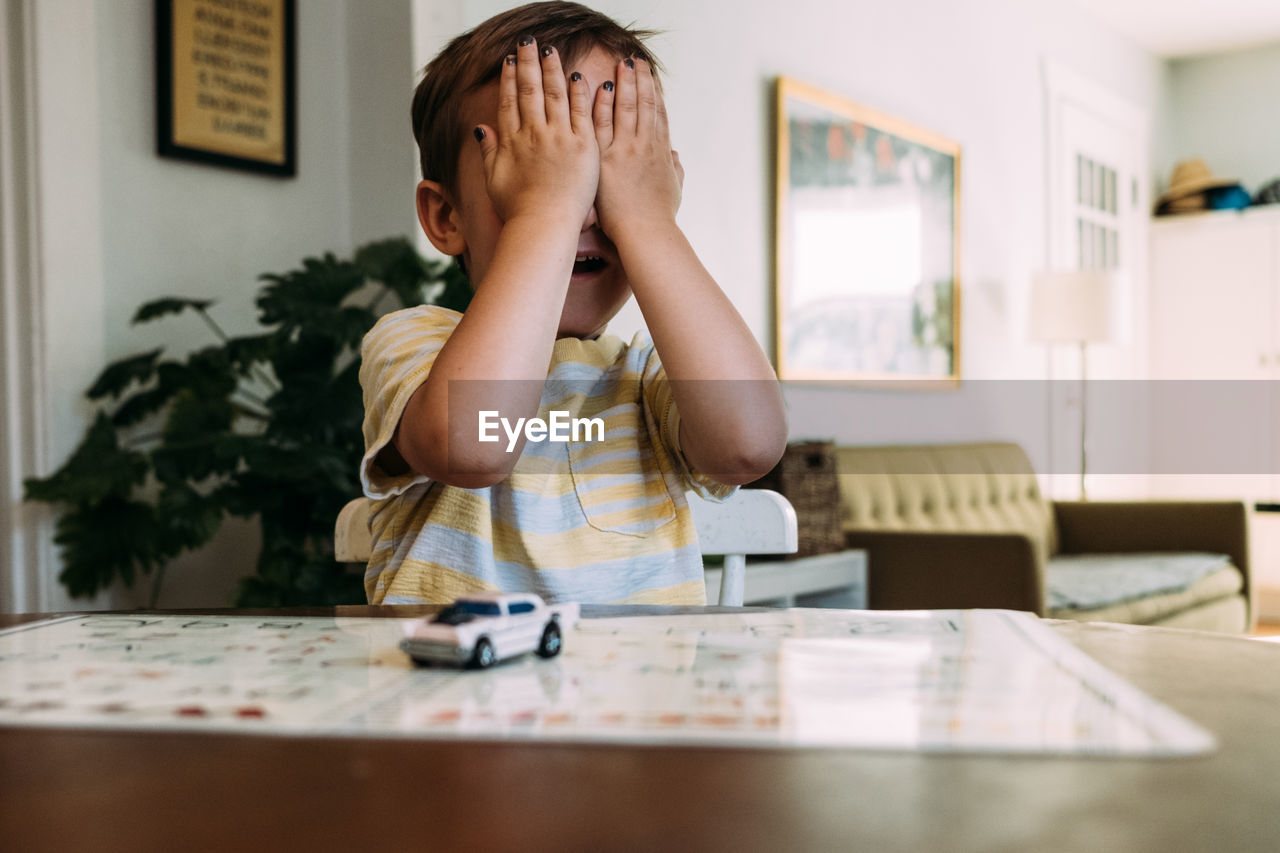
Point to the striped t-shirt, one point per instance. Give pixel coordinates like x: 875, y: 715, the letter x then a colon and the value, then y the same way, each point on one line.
x: 590, y: 520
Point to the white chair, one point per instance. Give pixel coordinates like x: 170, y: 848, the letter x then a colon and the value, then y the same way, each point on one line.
x: 352, y: 539
x: 752, y: 521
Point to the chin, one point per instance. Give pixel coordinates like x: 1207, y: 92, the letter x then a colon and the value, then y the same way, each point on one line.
x: 574, y: 331
x: 585, y: 324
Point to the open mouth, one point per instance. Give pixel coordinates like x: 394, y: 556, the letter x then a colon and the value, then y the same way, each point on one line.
x: 588, y: 264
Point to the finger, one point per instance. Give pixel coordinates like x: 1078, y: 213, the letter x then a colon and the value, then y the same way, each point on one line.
x: 529, y: 82
x: 646, y: 99
x: 675, y: 161
x: 488, y: 141
x: 624, y: 100
x: 554, y: 94
x: 602, y: 115
x: 508, y: 109
x: 579, y: 105
x: 662, y: 125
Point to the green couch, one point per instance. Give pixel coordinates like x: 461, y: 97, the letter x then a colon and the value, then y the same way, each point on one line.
x: 965, y: 525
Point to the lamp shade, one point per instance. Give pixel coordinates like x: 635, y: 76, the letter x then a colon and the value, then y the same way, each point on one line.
x: 1075, y: 306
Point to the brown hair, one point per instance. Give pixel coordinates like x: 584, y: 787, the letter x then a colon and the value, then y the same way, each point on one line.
x: 474, y: 59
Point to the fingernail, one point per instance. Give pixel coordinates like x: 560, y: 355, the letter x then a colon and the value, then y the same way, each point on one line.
x: 511, y: 59
x: 525, y: 41
x: 608, y: 85
x: 629, y: 62
x: 479, y: 132
x: 548, y: 50
x: 575, y: 77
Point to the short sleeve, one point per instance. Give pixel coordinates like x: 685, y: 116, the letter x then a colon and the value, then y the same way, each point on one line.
x: 658, y: 399
x: 395, y: 358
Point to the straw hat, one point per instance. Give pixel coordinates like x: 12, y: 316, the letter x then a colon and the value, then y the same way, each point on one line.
x: 1186, y: 204
x: 1190, y: 177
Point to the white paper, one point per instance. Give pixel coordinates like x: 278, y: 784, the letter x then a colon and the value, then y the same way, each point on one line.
x: 990, y: 681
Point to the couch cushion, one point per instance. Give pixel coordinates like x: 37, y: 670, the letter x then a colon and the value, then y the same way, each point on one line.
x: 1158, y: 607
x: 1092, y: 581
x: 1228, y: 615
x: 985, y: 487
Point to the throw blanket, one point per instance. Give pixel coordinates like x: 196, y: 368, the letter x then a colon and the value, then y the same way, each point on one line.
x: 1090, y: 581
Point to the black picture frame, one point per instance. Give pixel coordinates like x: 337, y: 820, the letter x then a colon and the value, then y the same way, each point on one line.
x: 167, y: 142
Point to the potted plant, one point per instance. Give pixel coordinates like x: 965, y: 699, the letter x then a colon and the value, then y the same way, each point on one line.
x: 265, y: 425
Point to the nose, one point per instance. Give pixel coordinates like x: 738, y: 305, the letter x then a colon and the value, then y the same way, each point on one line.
x: 592, y: 219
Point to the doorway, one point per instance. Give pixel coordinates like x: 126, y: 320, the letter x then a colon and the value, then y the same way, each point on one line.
x: 1097, y: 202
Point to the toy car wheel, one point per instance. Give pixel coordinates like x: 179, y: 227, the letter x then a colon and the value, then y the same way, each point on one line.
x: 483, y: 656
x: 550, y: 644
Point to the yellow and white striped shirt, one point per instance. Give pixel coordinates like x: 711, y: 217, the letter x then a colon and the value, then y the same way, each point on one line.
x: 602, y: 521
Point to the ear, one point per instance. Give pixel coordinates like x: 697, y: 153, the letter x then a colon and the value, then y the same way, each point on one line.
x: 438, y: 219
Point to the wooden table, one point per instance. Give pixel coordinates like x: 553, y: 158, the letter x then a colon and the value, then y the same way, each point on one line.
x: 100, y: 790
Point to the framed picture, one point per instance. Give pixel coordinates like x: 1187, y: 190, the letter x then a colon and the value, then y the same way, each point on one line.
x: 225, y: 83
x: 868, y: 242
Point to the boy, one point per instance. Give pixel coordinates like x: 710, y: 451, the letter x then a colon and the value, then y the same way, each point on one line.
x: 547, y: 169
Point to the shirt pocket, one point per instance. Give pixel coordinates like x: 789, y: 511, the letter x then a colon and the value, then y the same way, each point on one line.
x: 618, y: 481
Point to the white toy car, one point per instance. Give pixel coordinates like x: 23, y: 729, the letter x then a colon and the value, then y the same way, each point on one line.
x: 479, y: 630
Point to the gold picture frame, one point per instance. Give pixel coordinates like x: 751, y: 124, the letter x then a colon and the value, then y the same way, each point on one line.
x: 867, y: 244
x: 225, y: 83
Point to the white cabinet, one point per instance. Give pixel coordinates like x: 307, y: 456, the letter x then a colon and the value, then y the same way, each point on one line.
x: 1214, y: 311
x: 1215, y: 293
x: 1215, y: 328
x: 1214, y: 305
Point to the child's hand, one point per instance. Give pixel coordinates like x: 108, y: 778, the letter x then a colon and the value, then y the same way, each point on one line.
x: 640, y: 176
x: 543, y: 160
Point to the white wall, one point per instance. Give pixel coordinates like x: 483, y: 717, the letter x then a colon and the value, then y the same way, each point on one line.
x: 60, y: 294
x: 172, y: 227
x: 176, y: 228
x: 119, y: 226
x: 20, y: 436
x: 1223, y: 109
x: 382, y: 154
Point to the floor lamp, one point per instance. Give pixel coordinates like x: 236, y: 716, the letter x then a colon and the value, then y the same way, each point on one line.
x: 1076, y: 307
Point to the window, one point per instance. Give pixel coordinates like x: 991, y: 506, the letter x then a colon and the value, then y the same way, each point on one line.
x: 1097, y: 214
x: 479, y: 608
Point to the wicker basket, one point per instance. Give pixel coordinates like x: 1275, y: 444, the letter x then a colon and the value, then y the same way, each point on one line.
x: 806, y: 476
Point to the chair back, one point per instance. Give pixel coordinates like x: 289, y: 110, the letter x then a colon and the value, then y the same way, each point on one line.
x: 352, y: 539
x: 751, y: 521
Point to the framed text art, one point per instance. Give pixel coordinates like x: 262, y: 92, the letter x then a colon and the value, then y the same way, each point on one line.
x: 225, y: 83
x: 867, y: 247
